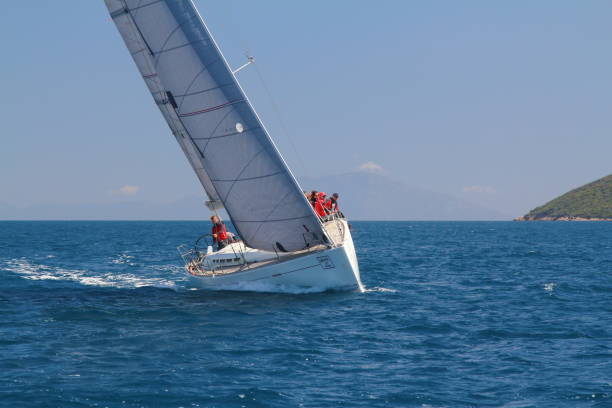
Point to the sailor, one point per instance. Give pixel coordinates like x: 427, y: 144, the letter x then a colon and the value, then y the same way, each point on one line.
x: 331, y: 205
x: 219, y: 232
x: 312, y: 197
x: 319, y: 205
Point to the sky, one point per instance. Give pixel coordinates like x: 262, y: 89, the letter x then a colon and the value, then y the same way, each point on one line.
x: 504, y: 104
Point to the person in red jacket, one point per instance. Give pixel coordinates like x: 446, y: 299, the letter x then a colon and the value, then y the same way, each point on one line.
x: 319, y: 205
x: 219, y: 232
x: 331, y: 205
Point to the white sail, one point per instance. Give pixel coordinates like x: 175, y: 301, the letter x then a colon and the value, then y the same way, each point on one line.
x: 213, y: 121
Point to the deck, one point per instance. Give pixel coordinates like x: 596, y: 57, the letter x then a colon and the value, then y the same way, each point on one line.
x: 334, y: 229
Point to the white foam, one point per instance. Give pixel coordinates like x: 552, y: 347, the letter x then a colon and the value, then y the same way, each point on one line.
x: 35, y: 271
x: 123, y: 259
x: 379, y: 289
x: 549, y: 287
x: 161, y: 276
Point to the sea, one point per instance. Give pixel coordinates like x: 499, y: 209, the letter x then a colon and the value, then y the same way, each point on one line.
x: 454, y: 314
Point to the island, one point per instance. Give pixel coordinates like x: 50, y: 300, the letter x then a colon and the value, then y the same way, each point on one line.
x: 591, y: 202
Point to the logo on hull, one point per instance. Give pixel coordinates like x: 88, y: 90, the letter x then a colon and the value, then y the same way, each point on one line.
x: 325, y: 262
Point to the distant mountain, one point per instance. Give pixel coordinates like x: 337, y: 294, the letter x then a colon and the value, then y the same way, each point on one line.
x: 363, y: 196
x: 592, y: 201
x: 375, y: 196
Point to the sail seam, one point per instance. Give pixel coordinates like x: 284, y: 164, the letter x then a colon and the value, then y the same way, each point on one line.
x: 227, y: 134
x: 276, y: 220
x: 249, y: 178
x: 162, y: 51
x: 125, y: 10
x: 202, y: 91
x: 269, y: 214
x: 170, y: 36
x: 240, y: 174
x: 215, y: 129
x: 214, y: 108
x: 204, y: 69
x: 138, y: 52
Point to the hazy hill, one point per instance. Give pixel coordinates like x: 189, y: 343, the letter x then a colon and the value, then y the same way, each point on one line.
x: 592, y: 201
x: 374, y: 196
x: 364, y: 196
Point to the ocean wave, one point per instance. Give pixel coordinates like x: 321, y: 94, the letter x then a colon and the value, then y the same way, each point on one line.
x: 124, y: 259
x: 36, y: 271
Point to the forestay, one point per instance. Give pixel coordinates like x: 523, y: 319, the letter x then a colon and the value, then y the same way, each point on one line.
x: 211, y: 118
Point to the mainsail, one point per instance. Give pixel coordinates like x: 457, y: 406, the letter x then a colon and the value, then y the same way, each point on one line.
x: 215, y: 124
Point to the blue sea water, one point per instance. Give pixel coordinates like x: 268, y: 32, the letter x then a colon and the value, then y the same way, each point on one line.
x: 456, y: 314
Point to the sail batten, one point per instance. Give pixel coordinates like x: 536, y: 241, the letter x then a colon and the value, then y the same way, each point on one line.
x: 214, y: 123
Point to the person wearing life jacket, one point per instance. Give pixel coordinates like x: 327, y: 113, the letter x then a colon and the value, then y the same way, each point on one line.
x: 331, y: 205
x: 219, y: 232
x: 319, y: 205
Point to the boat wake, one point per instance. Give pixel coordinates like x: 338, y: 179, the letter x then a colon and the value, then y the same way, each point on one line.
x: 168, y: 276
x: 37, y: 271
x: 378, y: 289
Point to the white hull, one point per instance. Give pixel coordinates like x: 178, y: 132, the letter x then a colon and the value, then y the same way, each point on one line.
x: 335, y: 268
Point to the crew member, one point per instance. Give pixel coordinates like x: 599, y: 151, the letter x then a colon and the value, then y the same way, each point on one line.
x: 219, y: 232
x: 312, y: 197
x: 331, y: 204
x: 319, y: 205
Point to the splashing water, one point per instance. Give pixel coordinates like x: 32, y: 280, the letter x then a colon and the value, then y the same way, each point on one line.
x: 33, y: 271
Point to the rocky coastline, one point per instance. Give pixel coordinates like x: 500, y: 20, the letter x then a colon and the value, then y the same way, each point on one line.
x: 562, y: 218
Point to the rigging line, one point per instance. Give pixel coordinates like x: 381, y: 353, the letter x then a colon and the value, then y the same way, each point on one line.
x: 281, y: 121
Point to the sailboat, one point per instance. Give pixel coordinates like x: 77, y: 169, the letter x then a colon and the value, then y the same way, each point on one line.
x: 280, y: 242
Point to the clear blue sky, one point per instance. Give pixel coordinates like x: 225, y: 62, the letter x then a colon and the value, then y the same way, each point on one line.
x: 504, y: 103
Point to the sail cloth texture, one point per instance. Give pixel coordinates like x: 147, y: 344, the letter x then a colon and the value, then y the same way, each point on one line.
x: 211, y: 118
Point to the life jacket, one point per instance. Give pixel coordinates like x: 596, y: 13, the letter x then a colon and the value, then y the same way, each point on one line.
x: 320, y: 205
x: 331, y: 205
x: 319, y: 209
x: 221, y: 232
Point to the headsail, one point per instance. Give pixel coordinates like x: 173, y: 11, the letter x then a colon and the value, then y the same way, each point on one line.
x: 213, y: 121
